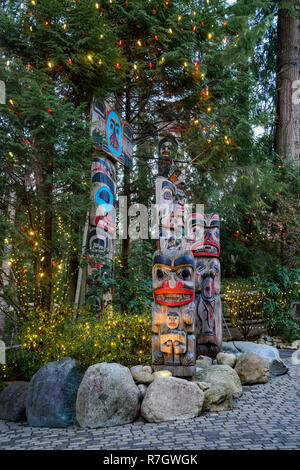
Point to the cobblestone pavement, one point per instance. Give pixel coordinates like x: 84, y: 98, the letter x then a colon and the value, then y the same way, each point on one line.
x: 265, y: 417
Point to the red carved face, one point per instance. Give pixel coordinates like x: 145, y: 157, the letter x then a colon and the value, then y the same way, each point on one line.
x: 210, y: 245
x: 173, y: 277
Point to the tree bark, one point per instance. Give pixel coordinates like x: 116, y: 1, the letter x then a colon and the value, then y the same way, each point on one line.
x: 287, y: 142
x: 46, y: 264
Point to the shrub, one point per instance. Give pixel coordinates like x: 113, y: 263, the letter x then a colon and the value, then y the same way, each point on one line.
x: 281, y: 288
x: 243, y: 301
x: 46, y: 337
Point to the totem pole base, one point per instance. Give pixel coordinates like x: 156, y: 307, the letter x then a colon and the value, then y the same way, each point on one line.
x: 177, y: 371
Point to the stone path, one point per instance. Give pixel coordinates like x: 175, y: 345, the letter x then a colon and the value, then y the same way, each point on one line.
x: 265, y: 417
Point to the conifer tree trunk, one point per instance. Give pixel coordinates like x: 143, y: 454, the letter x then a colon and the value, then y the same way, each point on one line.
x: 46, y: 282
x: 287, y: 142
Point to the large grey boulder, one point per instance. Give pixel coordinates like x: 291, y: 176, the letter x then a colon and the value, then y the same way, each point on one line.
x: 204, y: 361
x: 277, y: 366
x: 107, y: 396
x: 252, y: 369
x: 218, y: 398
x: 142, y: 375
x: 226, y: 359
x: 52, y: 392
x: 220, y: 373
x: 13, y: 401
x: 170, y: 398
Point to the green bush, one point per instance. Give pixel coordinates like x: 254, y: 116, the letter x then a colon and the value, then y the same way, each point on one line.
x: 281, y: 289
x: 46, y: 337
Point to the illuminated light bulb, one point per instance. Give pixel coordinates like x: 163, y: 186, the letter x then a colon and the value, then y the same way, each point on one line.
x: 156, y: 38
x: 202, y: 76
x: 12, y: 102
x: 50, y: 65
x: 120, y: 42
x: 101, y: 36
x: 33, y: 2
x: 196, y: 121
x: 64, y: 26
x: 170, y: 31
x: 139, y: 43
x: 118, y: 65
x: 31, y: 233
x: 194, y: 28
x: 209, y: 35
x: 31, y: 28
x: 70, y: 60
x: 185, y: 64
x: 7, y: 63
x: 90, y: 58
x: 97, y: 5
x: 208, y: 109
x: 135, y: 66
x: 100, y: 62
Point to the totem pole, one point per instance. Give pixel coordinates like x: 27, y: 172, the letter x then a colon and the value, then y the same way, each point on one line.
x: 203, y: 242
x: 102, y: 222
x: 173, y: 312
x: 114, y: 138
x: 208, y: 276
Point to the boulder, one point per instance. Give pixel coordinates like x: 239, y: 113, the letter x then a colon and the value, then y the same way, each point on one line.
x: 170, y: 398
x: 13, y: 401
x: 107, y: 396
x: 142, y: 390
x: 204, y: 361
x: 252, y: 369
x: 203, y: 385
x: 52, y: 392
x: 218, y: 398
x: 220, y: 373
x: 141, y: 374
x: 277, y: 366
x: 226, y: 359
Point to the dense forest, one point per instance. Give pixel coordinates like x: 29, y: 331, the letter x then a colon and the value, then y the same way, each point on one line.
x: 227, y: 71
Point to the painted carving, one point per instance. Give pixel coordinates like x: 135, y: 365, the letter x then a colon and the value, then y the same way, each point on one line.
x: 206, y: 250
x: 102, y: 221
x: 171, y: 212
x: 111, y: 133
x: 173, y: 313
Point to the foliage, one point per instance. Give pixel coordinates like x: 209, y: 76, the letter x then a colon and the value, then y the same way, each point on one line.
x: 244, y: 304
x: 135, y: 291
x: 281, y: 289
x: 46, y: 337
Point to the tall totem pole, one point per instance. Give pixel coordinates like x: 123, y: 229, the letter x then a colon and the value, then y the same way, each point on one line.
x: 186, y: 312
x: 114, y: 138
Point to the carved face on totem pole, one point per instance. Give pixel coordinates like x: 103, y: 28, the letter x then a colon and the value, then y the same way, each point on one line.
x: 170, y: 214
x: 207, y: 267
x: 173, y: 316
x: 102, y: 217
x: 209, y: 245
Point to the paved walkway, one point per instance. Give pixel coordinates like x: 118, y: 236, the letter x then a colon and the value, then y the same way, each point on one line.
x: 265, y: 417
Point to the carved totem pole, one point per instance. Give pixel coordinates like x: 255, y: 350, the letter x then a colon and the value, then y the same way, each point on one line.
x: 113, y: 142
x: 174, y: 345
x: 206, y: 251
x: 173, y: 312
